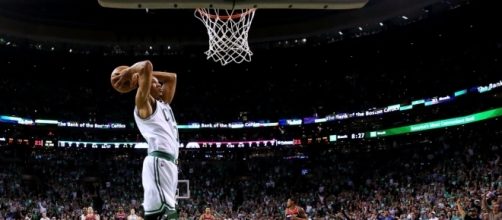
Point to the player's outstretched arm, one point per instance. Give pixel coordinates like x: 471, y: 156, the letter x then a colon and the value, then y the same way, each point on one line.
x: 168, y: 81
x: 144, y: 70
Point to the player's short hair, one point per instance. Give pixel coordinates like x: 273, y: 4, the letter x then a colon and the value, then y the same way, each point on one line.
x: 293, y: 199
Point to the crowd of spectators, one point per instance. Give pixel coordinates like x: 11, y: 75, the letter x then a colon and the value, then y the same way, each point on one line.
x: 439, y: 176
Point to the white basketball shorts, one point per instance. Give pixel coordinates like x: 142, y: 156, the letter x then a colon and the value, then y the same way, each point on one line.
x: 160, y: 179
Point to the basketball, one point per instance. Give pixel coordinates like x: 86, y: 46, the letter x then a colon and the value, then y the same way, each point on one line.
x: 123, y: 84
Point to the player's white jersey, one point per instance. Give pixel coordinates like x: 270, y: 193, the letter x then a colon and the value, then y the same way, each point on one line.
x: 160, y: 129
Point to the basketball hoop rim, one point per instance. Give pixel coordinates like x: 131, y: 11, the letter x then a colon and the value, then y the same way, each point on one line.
x: 226, y: 17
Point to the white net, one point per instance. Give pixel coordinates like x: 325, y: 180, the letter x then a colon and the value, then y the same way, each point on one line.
x: 228, y: 34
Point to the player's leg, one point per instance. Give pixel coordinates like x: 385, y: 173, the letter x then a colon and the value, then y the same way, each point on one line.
x: 154, y: 199
x: 168, y: 183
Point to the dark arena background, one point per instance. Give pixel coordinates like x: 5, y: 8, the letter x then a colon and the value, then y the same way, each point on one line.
x: 390, y: 111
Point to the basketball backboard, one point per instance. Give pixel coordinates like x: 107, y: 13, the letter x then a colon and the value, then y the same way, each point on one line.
x: 183, y: 190
x: 236, y: 4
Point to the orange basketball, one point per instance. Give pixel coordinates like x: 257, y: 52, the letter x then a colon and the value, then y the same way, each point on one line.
x: 121, y: 84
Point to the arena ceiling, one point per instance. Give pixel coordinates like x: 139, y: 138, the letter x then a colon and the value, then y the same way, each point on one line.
x: 85, y: 21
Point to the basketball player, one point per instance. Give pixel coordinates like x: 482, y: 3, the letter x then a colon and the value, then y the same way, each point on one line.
x: 294, y: 212
x: 133, y: 215
x: 156, y: 122
x: 90, y: 214
x: 84, y: 213
x: 44, y: 216
x: 120, y: 215
x: 207, y: 215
